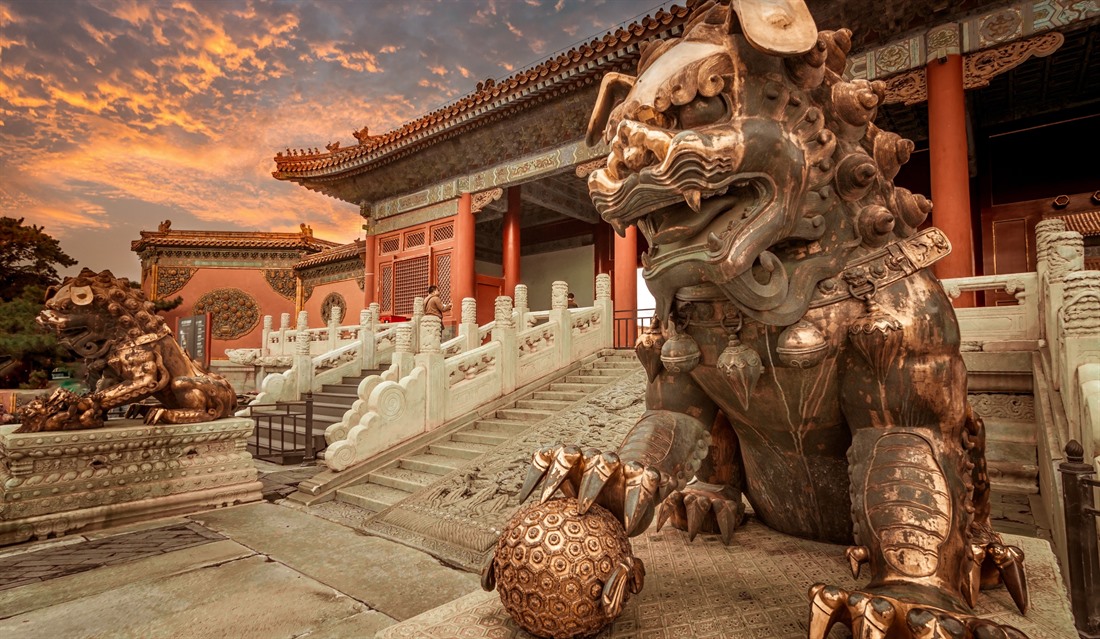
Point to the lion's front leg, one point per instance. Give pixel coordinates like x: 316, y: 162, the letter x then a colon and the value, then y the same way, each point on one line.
x: 142, y: 375
x: 912, y: 467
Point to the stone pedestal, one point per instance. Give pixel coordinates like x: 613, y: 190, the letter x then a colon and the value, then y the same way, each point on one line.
x: 54, y: 483
x: 755, y: 587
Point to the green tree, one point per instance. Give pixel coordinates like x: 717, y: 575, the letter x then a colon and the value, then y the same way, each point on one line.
x: 28, y: 257
x: 27, y: 353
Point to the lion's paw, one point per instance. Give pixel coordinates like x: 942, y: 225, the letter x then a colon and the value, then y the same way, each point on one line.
x: 702, y: 507
x: 871, y: 616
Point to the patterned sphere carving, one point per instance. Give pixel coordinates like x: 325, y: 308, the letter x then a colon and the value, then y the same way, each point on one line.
x: 233, y: 313
x: 551, y: 565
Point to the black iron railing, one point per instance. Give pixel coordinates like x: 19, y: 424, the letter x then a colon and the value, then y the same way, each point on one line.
x: 1078, y: 482
x: 283, y: 433
x: 629, y: 324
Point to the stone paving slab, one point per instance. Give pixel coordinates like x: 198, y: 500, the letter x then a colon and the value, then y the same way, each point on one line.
x: 38, y: 595
x: 22, y: 569
x: 252, y: 598
x: 754, y: 588
x: 398, y: 581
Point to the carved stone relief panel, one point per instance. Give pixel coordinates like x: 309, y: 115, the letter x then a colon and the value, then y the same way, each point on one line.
x: 233, y: 313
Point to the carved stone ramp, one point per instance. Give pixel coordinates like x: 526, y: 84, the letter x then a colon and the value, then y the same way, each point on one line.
x: 421, y: 468
x: 458, y: 516
x: 493, y: 422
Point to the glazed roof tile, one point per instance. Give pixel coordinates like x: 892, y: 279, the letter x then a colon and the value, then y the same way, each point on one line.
x: 230, y: 239
x: 577, y: 63
x: 353, y: 249
x: 1086, y: 223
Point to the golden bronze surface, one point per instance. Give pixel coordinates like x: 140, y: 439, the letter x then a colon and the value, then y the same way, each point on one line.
x: 802, y: 357
x: 561, y: 573
x: 119, y: 335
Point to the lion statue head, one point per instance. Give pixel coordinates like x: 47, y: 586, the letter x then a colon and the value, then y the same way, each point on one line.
x: 748, y: 162
x: 92, y: 312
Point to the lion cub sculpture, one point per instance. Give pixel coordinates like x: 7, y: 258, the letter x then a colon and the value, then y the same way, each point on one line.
x: 115, y: 329
x: 802, y: 355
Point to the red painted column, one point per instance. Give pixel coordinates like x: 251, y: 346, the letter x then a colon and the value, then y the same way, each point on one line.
x: 370, y: 294
x: 511, y: 242
x: 463, y: 275
x: 625, y: 280
x: 947, y: 148
x: 601, y: 240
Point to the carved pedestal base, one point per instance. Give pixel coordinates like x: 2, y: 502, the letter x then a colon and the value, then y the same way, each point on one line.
x: 54, y: 483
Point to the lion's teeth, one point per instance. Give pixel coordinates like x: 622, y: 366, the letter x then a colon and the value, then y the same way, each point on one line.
x: 694, y: 199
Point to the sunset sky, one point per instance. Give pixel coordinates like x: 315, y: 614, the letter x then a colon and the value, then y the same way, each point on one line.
x: 115, y: 115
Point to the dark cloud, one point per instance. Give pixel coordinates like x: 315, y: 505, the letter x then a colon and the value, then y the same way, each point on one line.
x: 115, y: 114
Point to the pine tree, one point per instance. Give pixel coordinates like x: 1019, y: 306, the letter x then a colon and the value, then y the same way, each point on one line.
x: 28, y: 257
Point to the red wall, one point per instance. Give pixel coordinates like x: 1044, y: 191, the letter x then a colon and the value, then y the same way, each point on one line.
x: 250, y: 281
x: 352, y: 295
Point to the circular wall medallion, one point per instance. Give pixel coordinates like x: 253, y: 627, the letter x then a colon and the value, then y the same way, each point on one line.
x: 333, y: 300
x: 233, y: 313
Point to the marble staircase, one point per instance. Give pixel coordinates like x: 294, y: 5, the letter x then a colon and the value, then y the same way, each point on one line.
x: 421, y: 467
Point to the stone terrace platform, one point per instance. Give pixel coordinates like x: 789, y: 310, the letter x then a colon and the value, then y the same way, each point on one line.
x: 755, y: 588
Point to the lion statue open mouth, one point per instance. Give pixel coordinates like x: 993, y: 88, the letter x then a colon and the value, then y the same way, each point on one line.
x: 802, y: 357
x: 115, y: 329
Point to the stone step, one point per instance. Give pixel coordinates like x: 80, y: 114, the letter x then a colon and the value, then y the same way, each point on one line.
x: 327, y: 408
x: 574, y: 388
x: 586, y: 379
x: 508, y: 427
x: 335, y: 398
x: 603, y: 372
x: 479, y: 437
x: 433, y: 464
x: 523, y: 414
x: 1010, y: 431
x: 552, y: 405
x: 367, y: 373
x: 402, y: 478
x: 460, y: 450
x: 1013, y: 477
x: 617, y: 364
x: 561, y: 396
x: 342, y: 389
x: 372, y: 497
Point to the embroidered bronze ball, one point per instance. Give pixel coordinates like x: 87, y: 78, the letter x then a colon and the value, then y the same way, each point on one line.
x: 561, y: 574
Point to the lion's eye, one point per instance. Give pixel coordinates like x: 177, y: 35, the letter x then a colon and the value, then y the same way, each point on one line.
x: 702, y: 111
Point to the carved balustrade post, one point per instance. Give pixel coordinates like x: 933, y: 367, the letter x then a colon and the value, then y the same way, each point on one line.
x: 522, y: 308
x: 1065, y: 254
x: 403, y: 349
x: 1078, y: 481
x: 334, y: 328
x: 303, y: 361
x: 1043, y: 231
x: 1079, y: 321
x: 607, y: 310
x: 504, y: 331
x: 265, y: 340
x: 563, y: 317
x: 284, y: 326
x: 431, y: 358
x: 366, y: 340
x: 418, y: 313
x: 468, y: 326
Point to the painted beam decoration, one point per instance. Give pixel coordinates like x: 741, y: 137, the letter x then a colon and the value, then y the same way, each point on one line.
x: 801, y: 356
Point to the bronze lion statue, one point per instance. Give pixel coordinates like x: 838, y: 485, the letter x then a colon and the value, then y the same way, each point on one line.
x: 802, y: 355
x: 115, y: 329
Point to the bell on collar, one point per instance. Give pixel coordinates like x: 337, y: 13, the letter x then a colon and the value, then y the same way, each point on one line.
x: 742, y: 365
x: 648, y: 347
x: 877, y: 336
x: 801, y: 345
x: 680, y: 353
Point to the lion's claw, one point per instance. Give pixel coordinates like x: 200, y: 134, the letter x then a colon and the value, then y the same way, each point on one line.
x: 1006, y: 564
x: 628, y: 489
x: 703, y: 508
x: 873, y: 616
